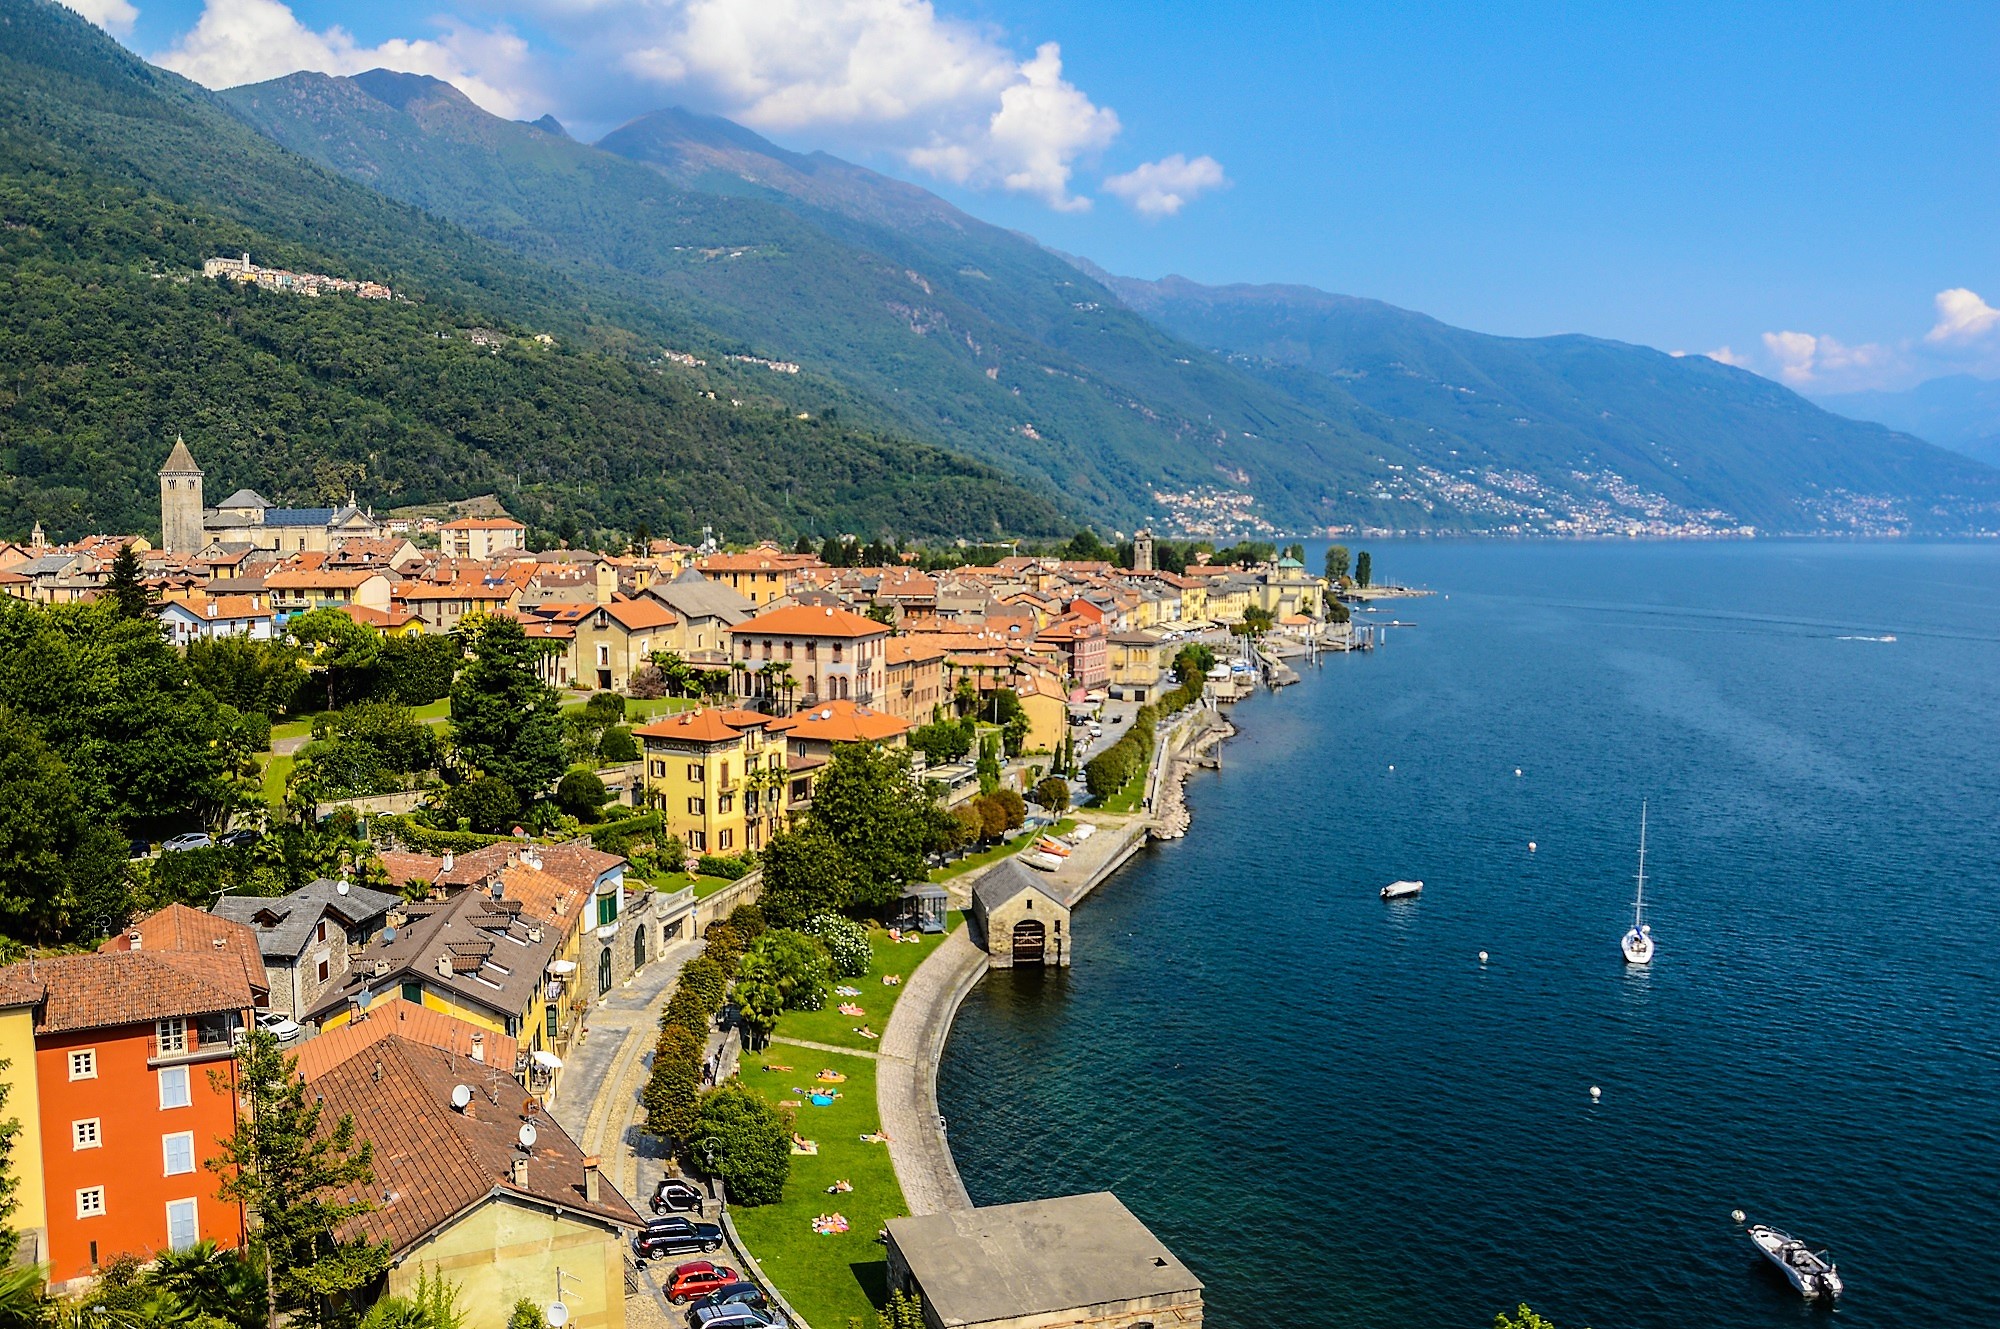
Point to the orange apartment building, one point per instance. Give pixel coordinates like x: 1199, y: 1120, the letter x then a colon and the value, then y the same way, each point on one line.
x: 135, y: 1074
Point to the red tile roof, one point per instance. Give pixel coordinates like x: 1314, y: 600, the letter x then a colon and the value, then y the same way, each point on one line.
x: 179, y: 928
x: 104, y: 990
x: 842, y: 722
x: 398, y: 1018
x: 803, y: 621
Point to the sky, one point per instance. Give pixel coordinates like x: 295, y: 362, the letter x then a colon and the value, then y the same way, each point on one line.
x: 1807, y: 190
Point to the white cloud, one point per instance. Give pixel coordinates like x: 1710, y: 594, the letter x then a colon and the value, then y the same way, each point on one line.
x: 888, y: 75
x: 1962, y: 316
x: 248, y: 41
x: 1804, y: 358
x: 1726, y: 356
x: 1164, y: 187
x: 114, y: 16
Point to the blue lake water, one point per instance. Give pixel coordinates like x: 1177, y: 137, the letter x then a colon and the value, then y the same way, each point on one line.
x: 1338, y: 1117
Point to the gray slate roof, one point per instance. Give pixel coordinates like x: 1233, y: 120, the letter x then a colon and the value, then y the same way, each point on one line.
x: 692, y: 595
x: 1007, y: 879
x: 244, y: 498
x: 1008, y: 1262
x: 284, y: 926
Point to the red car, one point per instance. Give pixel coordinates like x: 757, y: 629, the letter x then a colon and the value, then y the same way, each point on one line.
x: 697, y: 1278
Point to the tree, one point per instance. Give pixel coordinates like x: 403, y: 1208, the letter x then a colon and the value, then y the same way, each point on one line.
x: 418, y: 670
x: 1336, y: 563
x: 582, y: 795
x: 303, y: 1180
x: 803, y: 545
x: 988, y: 765
x: 992, y: 817
x: 869, y: 803
x: 1257, y: 621
x: 807, y: 872
x: 1295, y: 552
x: 1013, y: 807
x: 792, y: 962
x: 751, y: 1147
x: 339, y: 652
x: 941, y: 741
x: 1364, y: 569
x: 1012, y: 717
x: 253, y: 676
x: 1053, y: 794
x: 215, y: 1284
x: 1193, y: 661
x: 487, y: 804
x: 122, y: 587
x: 505, y: 721
x: 617, y: 745
x: 673, y: 1092
x: 62, y: 873
x: 759, y: 1004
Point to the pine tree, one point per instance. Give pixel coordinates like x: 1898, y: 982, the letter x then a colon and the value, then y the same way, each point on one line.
x: 122, y: 586
x: 281, y: 1165
x: 505, y: 721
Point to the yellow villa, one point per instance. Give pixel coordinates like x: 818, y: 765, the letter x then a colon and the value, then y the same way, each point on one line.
x: 718, y: 776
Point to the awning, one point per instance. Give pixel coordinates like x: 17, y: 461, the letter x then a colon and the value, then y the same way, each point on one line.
x: 548, y: 1061
x: 560, y: 967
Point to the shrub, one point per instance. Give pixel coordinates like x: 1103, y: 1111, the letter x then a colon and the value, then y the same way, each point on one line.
x: 792, y: 962
x: 1053, y: 794
x: 582, y: 795
x: 429, y: 839
x: 605, y: 707
x: 846, y: 943
x: 617, y: 745
x: 488, y: 803
x: 725, y: 945
x: 753, y: 1151
x: 748, y: 922
x: 729, y: 869
x: 706, y: 977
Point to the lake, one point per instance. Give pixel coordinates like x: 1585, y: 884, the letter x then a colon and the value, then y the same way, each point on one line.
x: 1338, y: 1116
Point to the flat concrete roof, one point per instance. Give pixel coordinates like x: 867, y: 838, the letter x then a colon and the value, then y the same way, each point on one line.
x: 1034, y: 1258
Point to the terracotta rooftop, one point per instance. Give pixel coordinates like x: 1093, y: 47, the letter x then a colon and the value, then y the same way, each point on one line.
x: 712, y: 725
x: 801, y: 621
x: 108, y: 989
x: 398, y: 1018
x: 433, y: 1163
x: 180, y: 928
x: 842, y: 722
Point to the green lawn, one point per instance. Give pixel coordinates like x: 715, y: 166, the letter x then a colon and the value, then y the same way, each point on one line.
x: 276, y: 771
x: 828, y: 1278
x: 876, y: 1000
x: 998, y: 852
x: 638, y: 712
x: 703, y: 886
x: 1134, y: 793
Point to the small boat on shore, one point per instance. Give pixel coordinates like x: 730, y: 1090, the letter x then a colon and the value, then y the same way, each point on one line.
x: 1812, y: 1272
x: 1402, y: 890
x: 1041, y: 861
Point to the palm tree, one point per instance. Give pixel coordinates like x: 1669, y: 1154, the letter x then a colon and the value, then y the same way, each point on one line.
x: 777, y: 679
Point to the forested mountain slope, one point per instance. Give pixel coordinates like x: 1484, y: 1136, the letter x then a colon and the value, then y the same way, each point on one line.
x: 118, y: 179
x: 1569, y: 421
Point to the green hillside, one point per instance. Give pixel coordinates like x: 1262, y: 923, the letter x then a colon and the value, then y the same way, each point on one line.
x: 957, y: 330
x: 1571, y: 412
x: 117, y: 180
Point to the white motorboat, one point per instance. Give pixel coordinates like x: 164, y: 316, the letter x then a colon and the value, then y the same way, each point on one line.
x: 1402, y: 890
x: 1637, y: 943
x: 1812, y: 1272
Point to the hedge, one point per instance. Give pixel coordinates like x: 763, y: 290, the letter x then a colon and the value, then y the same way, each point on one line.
x: 430, y: 840
x: 729, y: 869
x: 631, y: 828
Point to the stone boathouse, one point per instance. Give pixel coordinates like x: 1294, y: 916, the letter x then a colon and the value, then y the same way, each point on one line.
x: 1019, y: 917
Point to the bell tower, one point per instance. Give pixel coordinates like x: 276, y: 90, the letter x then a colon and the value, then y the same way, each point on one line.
x: 1142, y: 552
x: 180, y: 502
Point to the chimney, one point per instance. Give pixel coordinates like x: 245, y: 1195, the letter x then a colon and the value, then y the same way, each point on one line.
x: 479, y: 1045
x: 447, y: 861
x: 517, y: 1171
x: 137, y: 940
x: 444, y: 966
x: 592, y: 1179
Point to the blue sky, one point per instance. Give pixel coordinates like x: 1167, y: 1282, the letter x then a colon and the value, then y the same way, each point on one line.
x: 1813, y: 187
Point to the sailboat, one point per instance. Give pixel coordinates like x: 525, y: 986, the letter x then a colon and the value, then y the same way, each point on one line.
x: 1637, y: 943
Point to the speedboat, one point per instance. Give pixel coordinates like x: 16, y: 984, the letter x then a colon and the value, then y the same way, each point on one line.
x: 1402, y: 890
x: 1811, y: 1272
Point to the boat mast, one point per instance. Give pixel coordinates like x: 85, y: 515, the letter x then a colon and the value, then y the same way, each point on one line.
x: 1639, y: 906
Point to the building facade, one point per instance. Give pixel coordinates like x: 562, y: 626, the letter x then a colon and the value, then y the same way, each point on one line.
x: 718, y: 776
x: 801, y: 655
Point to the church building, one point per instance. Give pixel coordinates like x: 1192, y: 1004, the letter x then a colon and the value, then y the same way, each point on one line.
x: 245, y: 520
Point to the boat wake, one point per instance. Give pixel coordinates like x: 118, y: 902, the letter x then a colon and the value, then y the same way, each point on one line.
x: 1888, y: 637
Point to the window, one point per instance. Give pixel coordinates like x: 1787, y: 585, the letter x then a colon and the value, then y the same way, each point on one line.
x: 697, y: 807
x: 604, y: 971
x: 90, y: 1202
x: 86, y: 1134
x: 83, y: 1064
x: 320, y: 934
x: 724, y: 839
x: 178, y: 1152
x: 724, y: 779
x: 183, y: 1224
x: 172, y: 1035
x: 603, y: 656
x: 698, y: 841
x: 174, y: 1091
x: 726, y: 804
x: 836, y: 652
x: 413, y: 993
x: 607, y: 909
x: 554, y: 1019
x: 694, y: 771
x: 322, y: 970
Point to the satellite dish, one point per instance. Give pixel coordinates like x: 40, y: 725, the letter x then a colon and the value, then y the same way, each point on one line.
x: 527, y: 1136
x: 461, y: 1097
x: 557, y: 1315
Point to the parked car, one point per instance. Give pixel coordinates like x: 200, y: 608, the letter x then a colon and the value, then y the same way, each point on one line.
x: 192, y: 840
x: 740, y: 1293
x: 675, y: 1236
x: 678, y: 1195
x: 696, y: 1278
x: 139, y: 849
x: 282, y: 1027
x: 240, y: 839
x: 733, y: 1316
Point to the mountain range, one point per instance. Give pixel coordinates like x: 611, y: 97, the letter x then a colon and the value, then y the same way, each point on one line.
x: 1958, y: 411
x: 807, y: 329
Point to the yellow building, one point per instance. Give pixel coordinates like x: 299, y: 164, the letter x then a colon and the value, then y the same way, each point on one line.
x: 759, y: 576
x: 479, y: 1187
x: 1141, y: 665
x: 18, y: 998
x: 718, y: 776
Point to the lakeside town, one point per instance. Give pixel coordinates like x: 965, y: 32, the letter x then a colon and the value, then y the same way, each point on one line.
x: 576, y: 929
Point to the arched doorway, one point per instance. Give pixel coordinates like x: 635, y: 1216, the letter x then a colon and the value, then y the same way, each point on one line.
x: 1030, y: 941
x: 604, y: 971
x: 639, y: 947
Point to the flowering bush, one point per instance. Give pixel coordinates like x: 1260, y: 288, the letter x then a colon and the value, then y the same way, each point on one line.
x: 846, y: 941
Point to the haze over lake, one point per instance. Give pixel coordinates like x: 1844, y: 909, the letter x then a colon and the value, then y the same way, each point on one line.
x: 1253, y: 1046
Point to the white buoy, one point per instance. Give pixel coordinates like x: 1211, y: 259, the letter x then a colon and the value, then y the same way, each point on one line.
x: 1595, y: 1093
x: 1482, y: 957
x: 1392, y: 767
x: 1736, y: 1215
x: 1531, y: 846
x: 1517, y: 772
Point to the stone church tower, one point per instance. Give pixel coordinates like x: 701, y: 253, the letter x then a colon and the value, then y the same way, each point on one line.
x: 180, y: 502
x: 1142, y: 552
